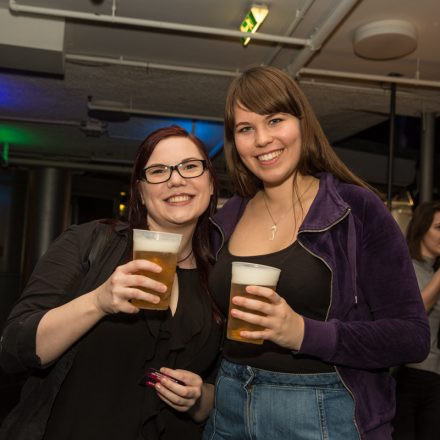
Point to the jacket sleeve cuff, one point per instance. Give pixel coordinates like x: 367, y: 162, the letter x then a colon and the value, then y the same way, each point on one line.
x: 27, y: 341
x: 319, y: 339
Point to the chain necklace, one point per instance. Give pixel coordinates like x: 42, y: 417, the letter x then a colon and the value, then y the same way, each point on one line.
x: 274, y: 227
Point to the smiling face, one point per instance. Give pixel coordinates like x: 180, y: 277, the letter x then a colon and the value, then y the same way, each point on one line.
x: 430, y: 244
x: 268, y: 145
x: 179, y: 201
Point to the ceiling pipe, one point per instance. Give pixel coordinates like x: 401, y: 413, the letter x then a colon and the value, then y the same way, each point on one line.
x: 138, y: 111
x: 370, y: 88
x: 129, y: 110
x: 39, y: 121
x: 147, y: 65
x: 371, y: 78
x: 320, y: 35
x: 82, y: 166
x: 299, y: 16
x: 13, y: 6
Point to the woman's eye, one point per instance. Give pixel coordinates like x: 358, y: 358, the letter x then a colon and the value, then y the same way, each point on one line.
x: 274, y: 121
x: 189, y: 166
x: 156, y: 171
x: 243, y: 129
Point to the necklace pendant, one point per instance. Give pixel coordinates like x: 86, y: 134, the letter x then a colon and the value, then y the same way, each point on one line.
x: 273, y: 229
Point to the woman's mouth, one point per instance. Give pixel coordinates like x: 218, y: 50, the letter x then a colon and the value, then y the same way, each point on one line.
x: 179, y: 198
x: 268, y: 157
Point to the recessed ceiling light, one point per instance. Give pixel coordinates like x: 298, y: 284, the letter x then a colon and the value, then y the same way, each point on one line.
x: 385, y: 39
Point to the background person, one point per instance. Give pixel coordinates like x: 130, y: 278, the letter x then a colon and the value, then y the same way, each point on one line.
x: 347, y: 305
x: 85, y: 345
x: 418, y: 385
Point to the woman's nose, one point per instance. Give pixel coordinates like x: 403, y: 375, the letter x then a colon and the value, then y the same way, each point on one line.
x: 262, y: 137
x: 176, y: 179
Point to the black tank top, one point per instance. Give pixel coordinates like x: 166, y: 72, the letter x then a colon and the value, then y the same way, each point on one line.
x: 304, y: 283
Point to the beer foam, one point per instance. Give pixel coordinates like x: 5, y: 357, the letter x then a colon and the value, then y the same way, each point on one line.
x: 255, y: 275
x: 143, y: 243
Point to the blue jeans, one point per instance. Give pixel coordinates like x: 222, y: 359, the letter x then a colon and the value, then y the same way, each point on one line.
x: 254, y: 404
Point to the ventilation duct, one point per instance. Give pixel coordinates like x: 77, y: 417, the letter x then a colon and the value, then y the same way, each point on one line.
x: 31, y: 44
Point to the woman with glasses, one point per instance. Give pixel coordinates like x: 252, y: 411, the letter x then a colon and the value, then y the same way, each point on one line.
x: 87, y: 347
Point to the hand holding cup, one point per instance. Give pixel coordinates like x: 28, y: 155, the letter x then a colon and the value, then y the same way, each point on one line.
x: 161, y: 248
x: 276, y: 320
x: 126, y: 285
x: 243, y: 275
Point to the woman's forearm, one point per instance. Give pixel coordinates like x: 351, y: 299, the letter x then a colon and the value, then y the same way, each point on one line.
x: 431, y: 292
x: 62, y: 326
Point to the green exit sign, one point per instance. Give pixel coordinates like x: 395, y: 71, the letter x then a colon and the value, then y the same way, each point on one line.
x: 247, y: 25
x: 252, y: 21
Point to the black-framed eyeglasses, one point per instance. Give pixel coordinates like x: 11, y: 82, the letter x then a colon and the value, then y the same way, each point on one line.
x: 188, y: 169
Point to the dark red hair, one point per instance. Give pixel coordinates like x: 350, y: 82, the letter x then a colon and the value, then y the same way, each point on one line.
x: 137, y: 212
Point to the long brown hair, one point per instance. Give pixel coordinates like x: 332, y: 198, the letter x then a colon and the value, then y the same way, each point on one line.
x: 267, y: 90
x: 420, y: 222
x: 137, y: 211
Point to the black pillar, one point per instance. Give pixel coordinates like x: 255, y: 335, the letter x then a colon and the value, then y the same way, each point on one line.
x: 47, y: 212
x: 427, y: 157
x: 391, y: 145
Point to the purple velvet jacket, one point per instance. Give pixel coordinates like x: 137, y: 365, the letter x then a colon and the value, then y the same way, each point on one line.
x: 376, y: 317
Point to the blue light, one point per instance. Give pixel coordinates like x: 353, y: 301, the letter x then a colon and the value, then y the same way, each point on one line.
x: 216, y: 149
x: 211, y: 133
x: 138, y: 128
x: 8, y: 95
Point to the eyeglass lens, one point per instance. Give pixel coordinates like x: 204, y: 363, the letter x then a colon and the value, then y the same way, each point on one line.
x: 187, y: 169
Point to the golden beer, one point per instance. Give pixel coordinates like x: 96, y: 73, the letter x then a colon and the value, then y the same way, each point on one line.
x: 167, y: 261
x: 160, y: 248
x: 246, y: 274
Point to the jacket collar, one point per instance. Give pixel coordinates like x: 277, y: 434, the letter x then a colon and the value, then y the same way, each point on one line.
x: 327, y: 208
x: 122, y: 227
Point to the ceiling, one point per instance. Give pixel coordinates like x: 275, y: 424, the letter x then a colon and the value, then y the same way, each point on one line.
x: 158, y: 61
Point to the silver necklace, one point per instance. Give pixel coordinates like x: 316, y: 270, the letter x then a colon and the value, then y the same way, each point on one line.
x: 274, y: 227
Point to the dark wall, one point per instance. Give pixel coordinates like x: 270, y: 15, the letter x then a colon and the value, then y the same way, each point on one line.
x: 13, y: 184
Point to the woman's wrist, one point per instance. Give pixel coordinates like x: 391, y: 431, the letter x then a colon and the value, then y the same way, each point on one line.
x: 200, y: 410
x: 298, y: 333
x: 96, y: 303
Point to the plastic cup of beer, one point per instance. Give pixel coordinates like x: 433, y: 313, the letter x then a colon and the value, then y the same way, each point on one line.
x: 247, y: 274
x: 161, y: 248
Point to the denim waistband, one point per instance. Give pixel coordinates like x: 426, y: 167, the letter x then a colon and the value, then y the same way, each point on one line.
x: 246, y: 373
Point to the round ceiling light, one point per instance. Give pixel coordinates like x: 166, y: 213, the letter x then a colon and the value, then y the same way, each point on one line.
x: 385, y: 39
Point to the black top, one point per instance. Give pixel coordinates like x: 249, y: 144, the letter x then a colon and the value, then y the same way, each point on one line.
x: 106, y: 364
x: 101, y: 397
x: 304, y: 283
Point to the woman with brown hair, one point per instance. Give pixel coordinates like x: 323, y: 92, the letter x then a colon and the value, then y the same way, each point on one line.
x: 418, y: 384
x: 87, y: 347
x: 347, y: 305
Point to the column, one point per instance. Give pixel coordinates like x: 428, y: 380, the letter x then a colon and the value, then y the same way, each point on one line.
x: 48, y: 211
x: 427, y: 157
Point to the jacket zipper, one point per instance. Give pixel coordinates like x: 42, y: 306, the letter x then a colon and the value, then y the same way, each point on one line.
x: 222, y: 235
x: 347, y: 212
